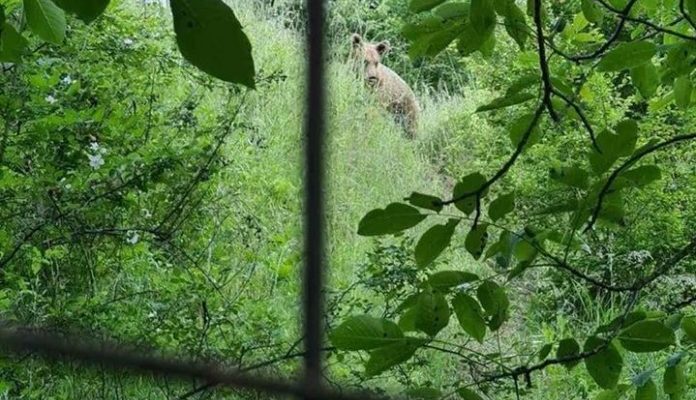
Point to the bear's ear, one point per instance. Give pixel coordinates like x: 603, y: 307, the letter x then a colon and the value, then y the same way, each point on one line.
x: 356, y: 40
x: 383, y: 47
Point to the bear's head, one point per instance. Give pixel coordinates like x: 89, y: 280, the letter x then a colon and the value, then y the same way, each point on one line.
x: 370, y: 56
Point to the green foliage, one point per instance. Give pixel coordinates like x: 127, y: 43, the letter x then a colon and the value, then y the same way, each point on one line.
x: 433, y: 242
x: 211, y: 38
x: 646, y: 336
x: 605, y: 364
x: 45, y: 19
x: 395, y: 218
x: 470, y: 316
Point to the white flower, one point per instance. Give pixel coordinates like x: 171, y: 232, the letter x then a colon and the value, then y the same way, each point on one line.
x: 133, y: 237
x: 128, y: 42
x: 146, y: 213
x: 50, y: 99
x: 94, y: 146
x: 95, y: 160
x: 67, y: 80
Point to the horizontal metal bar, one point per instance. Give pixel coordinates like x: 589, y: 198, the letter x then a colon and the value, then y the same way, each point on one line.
x: 21, y: 339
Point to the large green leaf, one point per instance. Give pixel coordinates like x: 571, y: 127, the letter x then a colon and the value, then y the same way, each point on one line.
x: 482, y: 16
x: 424, y: 393
x: 682, y: 91
x: 211, y: 38
x: 386, y: 357
x: 363, y: 332
x: 495, y: 302
x: 476, y: 240
x: 638, y: 177
x: 46, y: 20
x: 674, y: 379
x: 445, y: 280
x: 86, y: 10
x: 470, y: 316
x: 433, y: 242
x: 506, y: 101
x: 572, y: 176
x: 627, y: 55
x: 12, y: 44
x: 648, y: 391
x: 470, y: 184
x: 519, y: 127
x: 688, y: 325
x: 433, y: 313
x: 593, y: 12
x: 646, y: 79
x: 568, y: 348
x: 614, y: 145
x: 425, y: 201
x: 605, y: 365
x: 423, y: 5
x: 646, y: 336
x: 395, y: 218
x: 516, y: 24
x: 468, y: 394
x: 501, y: 206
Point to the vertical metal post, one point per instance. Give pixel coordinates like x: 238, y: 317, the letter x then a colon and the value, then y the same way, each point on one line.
x: 314, y: 206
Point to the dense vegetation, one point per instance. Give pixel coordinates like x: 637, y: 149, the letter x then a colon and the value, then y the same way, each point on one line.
x: 535, y: 241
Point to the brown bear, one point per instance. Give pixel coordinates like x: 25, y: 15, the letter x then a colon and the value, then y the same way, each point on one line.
x: 392, y: 91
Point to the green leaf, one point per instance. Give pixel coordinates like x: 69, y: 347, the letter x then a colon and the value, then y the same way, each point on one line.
x: 516, y: 25
x: 211, y: 38
x: 86, y: 10
x: 468, y: 394
x: 604, y: 366
x: 425, y: 201
x: 470, y: 316
x: 568, y: 348
x: 646, y: 79
x: 394, y: 354
x: 395, y: 218
x: 545, y: 351
x: 12, y: 44
x: 506, y: 101
x: 627, y: 55
x: 470, y: 40
x: 433, y: 242
x: 688, y: 325
x: 482, y: 16
x: 572, y: 176
x: 674, y: 379
x: 592, y: 12
x: 433, y: 313
x: 607, y: 395
x: 503, y: 249
x: 476, y: 240
x: 424, y: 393
x: 682, y: 91
x: 495, y: 302
x: 646, y: 336
x: 452, y: 11
x: 519, y: 127
x: 501, y: 206
x: 648, y: 391
x: 614, y: 145
x: 46, y: 20
x: 469, y: 185
x: 445, y: 280
x: 638, y: 177
x: 407, y: 321
x: 365, y: 333
x: 423, y: 5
